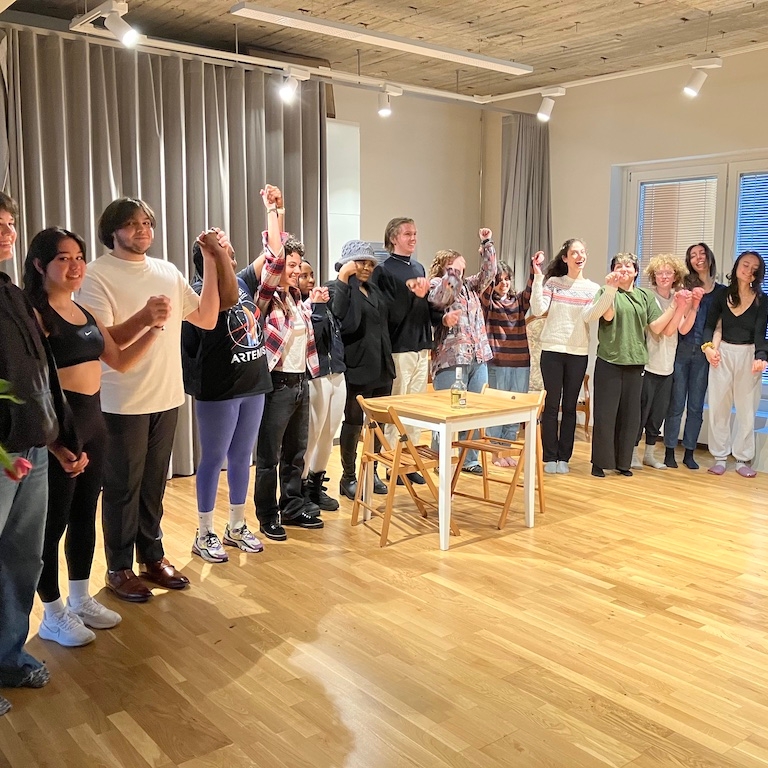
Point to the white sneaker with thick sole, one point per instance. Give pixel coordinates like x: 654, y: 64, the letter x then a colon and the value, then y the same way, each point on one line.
x: 242, y: 538
x: 208, y: 546
x: 66, y: 629
x: 95, y: 615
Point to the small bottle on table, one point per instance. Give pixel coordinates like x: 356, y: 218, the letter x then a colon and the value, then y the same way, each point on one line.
x: 459, y: 390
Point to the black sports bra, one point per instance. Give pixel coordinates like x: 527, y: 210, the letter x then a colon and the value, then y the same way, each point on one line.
x: 72, y: 344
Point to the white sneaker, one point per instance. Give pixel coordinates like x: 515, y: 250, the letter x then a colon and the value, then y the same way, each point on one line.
x: 562, y: 468
x: 66, y: 629
x: 208, y: 546
x: 94, y: 615
x: 550, y: 467
x: 241, y: 537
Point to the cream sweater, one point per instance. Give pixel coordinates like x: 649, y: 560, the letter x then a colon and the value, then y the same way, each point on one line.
x: 570, y: 308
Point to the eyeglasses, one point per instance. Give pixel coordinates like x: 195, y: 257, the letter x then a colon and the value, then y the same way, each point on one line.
x: 665, y: 273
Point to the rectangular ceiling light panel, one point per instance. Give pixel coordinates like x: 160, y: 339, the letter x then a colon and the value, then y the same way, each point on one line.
x: 381, y: 39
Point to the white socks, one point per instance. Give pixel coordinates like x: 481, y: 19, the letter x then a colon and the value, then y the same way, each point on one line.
x: 78, y: 592
x: 54, y: 608
x: 650, y: 460
x: 236, y: 516
x: 205, y: 522
x: 636, y: 463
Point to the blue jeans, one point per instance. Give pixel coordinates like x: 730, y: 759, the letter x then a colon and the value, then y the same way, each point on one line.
x: 475, y: 377
x: 689, y: 382
x: 22, y: 526
x: 510, y: 380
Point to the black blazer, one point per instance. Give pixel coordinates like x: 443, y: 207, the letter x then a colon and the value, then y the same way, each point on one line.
x: 364, y: 324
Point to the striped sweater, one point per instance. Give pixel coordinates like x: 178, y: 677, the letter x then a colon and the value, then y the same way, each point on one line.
x: 568, y: 302
x: 505, y: 325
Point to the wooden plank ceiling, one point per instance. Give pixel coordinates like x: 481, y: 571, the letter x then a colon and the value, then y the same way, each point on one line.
x: 562, y: 40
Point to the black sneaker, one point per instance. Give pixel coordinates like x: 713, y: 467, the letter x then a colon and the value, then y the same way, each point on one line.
x: 311, y: 508
x: 273, y: 531
x: 416, y: 478
x: 303, y: 520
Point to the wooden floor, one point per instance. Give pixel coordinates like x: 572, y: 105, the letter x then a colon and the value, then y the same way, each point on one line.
x: 628, y: 628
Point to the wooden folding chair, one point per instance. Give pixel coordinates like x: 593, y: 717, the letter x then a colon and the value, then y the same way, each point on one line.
x: 491, y: 448
x: 400, y: 460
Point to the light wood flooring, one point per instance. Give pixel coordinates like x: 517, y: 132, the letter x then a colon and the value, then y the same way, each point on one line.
x: 628, y: 628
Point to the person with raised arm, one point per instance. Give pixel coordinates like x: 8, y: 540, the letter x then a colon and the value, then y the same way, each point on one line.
x: 562, y: 293
x: 461, y: 340
x: 292, y: 358
x: 225, y: 369
x: 141, y: 405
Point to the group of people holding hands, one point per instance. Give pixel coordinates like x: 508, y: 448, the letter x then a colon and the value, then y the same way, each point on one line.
x: 275, y: 364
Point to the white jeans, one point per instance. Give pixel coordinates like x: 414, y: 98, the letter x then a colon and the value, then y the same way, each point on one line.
x: 411, y: 369
x: 327, y: 396
x: 731, y: 384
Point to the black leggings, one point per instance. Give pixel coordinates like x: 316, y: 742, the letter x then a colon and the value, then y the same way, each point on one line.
x: 72, y: 501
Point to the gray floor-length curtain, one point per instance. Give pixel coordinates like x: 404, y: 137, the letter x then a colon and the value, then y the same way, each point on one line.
x: 88, y: 121
x: 526, y: 224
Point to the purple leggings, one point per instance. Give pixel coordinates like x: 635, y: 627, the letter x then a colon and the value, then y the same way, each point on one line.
x: 228, y: 430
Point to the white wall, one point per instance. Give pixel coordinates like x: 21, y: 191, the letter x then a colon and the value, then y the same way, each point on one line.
x: 645, y: 118
x: 423, y: 162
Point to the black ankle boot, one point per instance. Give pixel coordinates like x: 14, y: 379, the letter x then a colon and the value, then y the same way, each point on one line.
x: 348, y: 438
x: 379, y: 486
x: 688, y: 459
x: 317, y: 494
x: 669, y: 458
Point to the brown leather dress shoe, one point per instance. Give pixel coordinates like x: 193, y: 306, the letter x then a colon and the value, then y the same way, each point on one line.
x: 127, y: 586
x: 162, y: 573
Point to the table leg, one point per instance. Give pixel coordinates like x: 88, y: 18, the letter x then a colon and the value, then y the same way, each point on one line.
x: 529, y: 476
x: 444, y: 501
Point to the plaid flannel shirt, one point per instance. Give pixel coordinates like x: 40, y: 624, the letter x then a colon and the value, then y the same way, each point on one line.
x: 278, y: 322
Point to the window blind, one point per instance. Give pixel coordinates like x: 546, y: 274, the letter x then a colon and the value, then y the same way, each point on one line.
x: 674, y: 215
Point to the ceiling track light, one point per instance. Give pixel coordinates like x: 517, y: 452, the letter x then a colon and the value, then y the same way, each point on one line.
x: 121, y: 29
x: 358, y: 34
x: 699, y: 74
x: 112, y: 12
x: 385, y: 98
x: 293, y: 76
x: 548, y: 102
x: 385, y: 107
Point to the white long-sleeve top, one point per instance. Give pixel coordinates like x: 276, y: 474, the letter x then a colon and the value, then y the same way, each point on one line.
x: 570, y: 307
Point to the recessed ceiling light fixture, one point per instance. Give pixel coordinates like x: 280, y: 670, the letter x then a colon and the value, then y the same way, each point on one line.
x: 360, y: 35
x: 699, y: 74
x: 112, y: 12
x: 548, y: 102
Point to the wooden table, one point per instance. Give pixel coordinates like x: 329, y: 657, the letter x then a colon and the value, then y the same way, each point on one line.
x: 432, y: 410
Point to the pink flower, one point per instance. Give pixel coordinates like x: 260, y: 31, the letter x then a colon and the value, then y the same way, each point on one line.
x: 20, y: 469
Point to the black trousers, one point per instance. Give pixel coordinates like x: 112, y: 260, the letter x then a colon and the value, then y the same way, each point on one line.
x: 563, y: 375
x: 654, y: 404
x: 135, y: 470
x: 72, y: 501
x: 353, y: 413
x: 282, y: 443
x: 617, y: 413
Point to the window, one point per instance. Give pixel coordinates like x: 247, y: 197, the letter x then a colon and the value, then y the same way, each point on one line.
x: 673, y: 215
x: 751, y: 220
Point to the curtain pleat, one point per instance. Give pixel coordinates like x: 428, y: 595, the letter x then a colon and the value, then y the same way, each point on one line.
x: 88, y: 122
x: 526, y: 224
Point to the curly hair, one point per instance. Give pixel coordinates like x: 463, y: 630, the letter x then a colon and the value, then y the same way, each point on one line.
x: 558, y: 267
x: 667, y: 260
x: 441, y: 261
